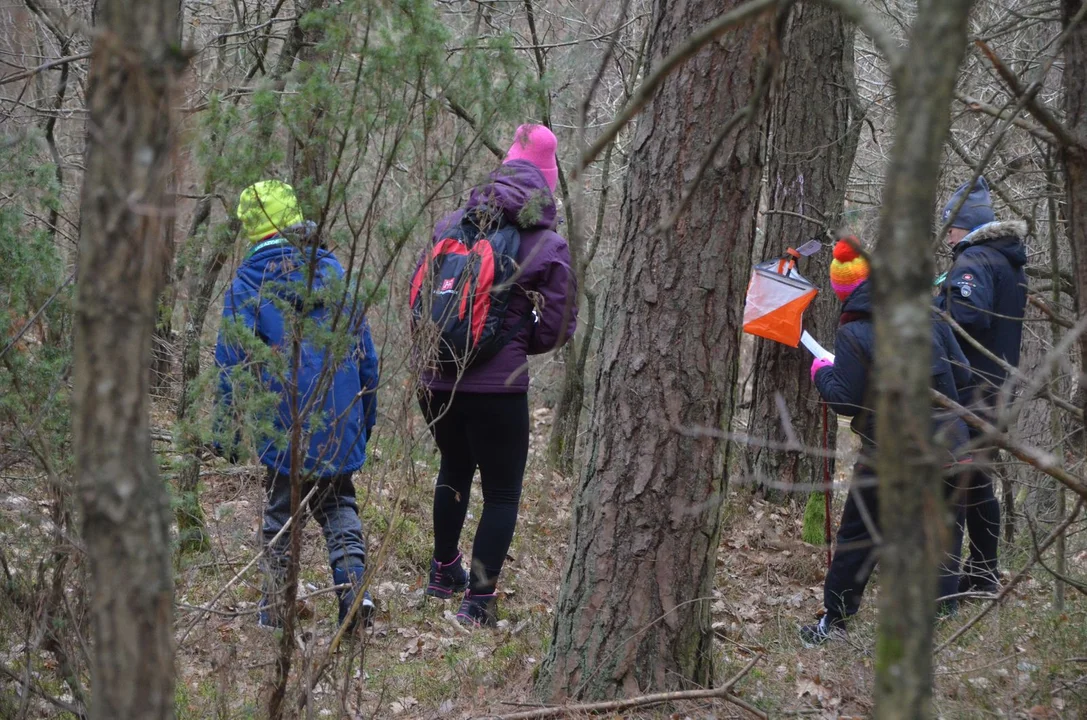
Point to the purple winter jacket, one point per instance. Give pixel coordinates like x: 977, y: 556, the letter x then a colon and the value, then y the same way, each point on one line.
x: 519, y: 189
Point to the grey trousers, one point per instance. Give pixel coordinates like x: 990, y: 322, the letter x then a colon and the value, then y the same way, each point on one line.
x: 335, y: 508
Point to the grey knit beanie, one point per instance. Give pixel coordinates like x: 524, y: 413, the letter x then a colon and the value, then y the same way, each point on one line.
x: 976, y: 211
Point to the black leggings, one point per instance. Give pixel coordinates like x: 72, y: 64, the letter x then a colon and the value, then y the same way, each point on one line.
x: 488, y: 431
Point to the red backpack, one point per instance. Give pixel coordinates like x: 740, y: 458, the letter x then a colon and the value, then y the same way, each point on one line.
x: 462, y: 289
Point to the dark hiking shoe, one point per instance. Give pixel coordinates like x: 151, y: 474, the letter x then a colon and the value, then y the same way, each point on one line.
x: 268, y: 617
x: 353, y: 576
x: 824, y: 631
x: 446, y: 578
x: 478, y: 610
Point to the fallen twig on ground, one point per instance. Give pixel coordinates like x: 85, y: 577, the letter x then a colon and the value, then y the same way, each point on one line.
x: 722, y: 693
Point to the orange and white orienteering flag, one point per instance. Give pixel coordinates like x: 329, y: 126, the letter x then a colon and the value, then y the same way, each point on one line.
x: 777, y: 297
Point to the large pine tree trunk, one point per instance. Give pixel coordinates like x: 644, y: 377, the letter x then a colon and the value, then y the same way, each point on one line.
x: 311, y: 150
x: 1074, y: 78
x: 910, y: 483
x: 124, y: 212
x: 632, y: 613
x: 812, y: 143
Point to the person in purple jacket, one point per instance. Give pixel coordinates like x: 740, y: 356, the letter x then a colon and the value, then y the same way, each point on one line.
x: 479, y: 415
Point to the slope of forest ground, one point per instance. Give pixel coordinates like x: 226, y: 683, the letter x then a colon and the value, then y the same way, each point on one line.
x: 1021, y: 661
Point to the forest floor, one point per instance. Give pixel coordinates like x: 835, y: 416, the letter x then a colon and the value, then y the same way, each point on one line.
x: 1022, y: 661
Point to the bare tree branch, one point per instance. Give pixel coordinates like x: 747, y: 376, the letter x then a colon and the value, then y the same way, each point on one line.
x: 1029, y: 94
x: 17, y: 76
x: 975, y: 105
x: 1035, y: 457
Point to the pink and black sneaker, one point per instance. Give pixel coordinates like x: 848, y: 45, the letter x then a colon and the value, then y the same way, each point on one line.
x: 446, y: 578
x: 477, y: 610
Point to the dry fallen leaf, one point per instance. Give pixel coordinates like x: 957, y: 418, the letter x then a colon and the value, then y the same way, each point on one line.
x: 813, y: 689
x: 403, y: 704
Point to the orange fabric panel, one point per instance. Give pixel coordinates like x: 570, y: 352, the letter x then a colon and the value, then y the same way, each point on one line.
x: 784, y: 323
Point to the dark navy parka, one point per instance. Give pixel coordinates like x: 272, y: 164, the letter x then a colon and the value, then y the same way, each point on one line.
x: 986, y: 293
x: 845, y: 385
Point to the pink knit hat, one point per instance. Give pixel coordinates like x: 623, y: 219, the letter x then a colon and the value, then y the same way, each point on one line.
x: 536, y: 144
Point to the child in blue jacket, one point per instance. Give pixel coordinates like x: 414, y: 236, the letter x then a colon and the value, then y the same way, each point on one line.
x: 285, y: 319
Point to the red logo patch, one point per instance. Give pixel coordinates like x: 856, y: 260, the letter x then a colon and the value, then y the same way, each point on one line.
x: 448, y: 284
x: 967, y: 276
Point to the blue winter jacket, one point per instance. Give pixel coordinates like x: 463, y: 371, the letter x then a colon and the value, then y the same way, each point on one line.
x: 845, y: 384
x: 339, y: 406
x: 986, y: 293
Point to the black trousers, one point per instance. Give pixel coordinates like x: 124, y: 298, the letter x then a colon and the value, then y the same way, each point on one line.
x: 981, y: 518
x: 488, y: 431
x: 981, y: 508
x: 855, y: 553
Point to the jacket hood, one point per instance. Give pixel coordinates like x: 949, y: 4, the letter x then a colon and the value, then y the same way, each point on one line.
x: 1004, y: 237
x: 519, y: 190
x: 860, y: 300
x: 281, y: 270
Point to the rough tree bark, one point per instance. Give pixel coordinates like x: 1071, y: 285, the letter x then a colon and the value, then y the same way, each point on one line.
x: 633, y: 612
x: 125, y: 209
x: 909, y: 475
x: 812, y: 143
x: 1074, y: 79
x: 309, y: 156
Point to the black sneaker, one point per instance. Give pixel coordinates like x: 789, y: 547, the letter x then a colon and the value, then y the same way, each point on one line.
x: 446, y: 578
x: 353, y: 576
x: 478, y: 610
x: 824, y: 631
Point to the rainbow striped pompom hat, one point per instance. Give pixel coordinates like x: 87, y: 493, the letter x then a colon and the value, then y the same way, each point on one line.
x: 848, y: 269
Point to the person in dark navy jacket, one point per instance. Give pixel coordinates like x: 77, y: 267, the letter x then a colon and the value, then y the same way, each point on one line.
x: 844, y: 384
x: 985, y: 292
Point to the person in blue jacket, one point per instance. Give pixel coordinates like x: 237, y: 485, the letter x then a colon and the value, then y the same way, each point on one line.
x: 985, y: 292
x: 844, y: 385
x: 288, y: 285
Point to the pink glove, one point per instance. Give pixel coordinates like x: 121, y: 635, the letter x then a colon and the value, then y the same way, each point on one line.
x: 818, y: 364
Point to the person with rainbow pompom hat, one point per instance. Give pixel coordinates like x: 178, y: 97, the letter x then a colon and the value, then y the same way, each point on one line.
x: 843, y: 383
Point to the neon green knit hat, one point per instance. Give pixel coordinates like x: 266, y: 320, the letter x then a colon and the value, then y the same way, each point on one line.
x: 268, y: 207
